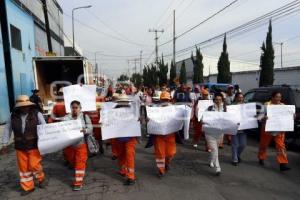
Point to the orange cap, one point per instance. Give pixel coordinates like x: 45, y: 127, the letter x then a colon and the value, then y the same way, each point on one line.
x: 165, y: 96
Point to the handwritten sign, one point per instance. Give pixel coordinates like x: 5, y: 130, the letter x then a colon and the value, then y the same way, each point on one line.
x: 246, y: 113
x: 202, y: 106
x: 85, y: 94
x: 56, y: 136
x: 119, y: 122
x: 216, y: 123
x: 280, y: 118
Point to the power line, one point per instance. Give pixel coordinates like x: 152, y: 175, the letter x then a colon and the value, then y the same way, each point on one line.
x: 248, y: 26
x: 106, y: 34
x: 202, y: 22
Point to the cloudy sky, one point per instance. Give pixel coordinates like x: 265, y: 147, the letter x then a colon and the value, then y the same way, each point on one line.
x: 119, y: 30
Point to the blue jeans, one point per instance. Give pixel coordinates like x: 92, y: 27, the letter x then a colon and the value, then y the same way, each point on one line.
x: 238, y: 143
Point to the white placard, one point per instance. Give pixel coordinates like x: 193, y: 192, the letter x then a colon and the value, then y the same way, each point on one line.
x: 216, y: 123
x: 187, y: 120
x: 246, y: 114
x: 54, y: 137
x: 280, y: 118
x: 165, y: 120
x: 118, y: 123
x: 202, y: 107
x: 85, y: 94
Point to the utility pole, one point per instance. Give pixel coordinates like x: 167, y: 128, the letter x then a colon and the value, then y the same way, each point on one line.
x: 141, y: 54
x: 156, y: 42
x: 174, y: 39
x: 281, y: 46
x: 47, y: 25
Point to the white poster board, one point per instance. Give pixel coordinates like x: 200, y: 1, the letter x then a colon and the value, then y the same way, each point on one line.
x: 246, y: 114
x: 85, y: 94
x: 202, y: 107
x: 216, y: 123
x: 164, y: 120
x: 118, y: 123
x: 280, y: 118
x: 186, y: 123
x: 56, y: 136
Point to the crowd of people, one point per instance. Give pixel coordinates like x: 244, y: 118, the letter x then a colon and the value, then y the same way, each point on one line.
x: 27, y: 115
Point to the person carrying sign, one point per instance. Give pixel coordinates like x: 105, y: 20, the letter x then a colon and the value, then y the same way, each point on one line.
x: 77, y: 154
x: 23, y: 123
x: 125, y: 149
x: 278, y: 137
x: 213, y: 139
x: 197, y: 124
x: 164, y: 145
x: 239, y: 140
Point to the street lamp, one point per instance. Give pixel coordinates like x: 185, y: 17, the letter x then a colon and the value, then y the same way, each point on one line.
x: 281, y: 44
x: 81, y: 7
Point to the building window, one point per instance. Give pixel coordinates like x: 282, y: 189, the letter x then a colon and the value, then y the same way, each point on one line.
x: 16, y: 41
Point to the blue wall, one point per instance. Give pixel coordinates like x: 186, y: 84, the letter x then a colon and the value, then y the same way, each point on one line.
x: 22, y: 60
x: 4, y: 106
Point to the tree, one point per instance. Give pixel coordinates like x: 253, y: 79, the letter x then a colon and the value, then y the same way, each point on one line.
x: 123, y: 77
x: 224, y: 75
x: 173, y: 74
x: 198, y: 67
x: 150, y: 75
x: 267, y: 60
x: 182, y: 76
x: 163, y: 72
x: 136, y: 79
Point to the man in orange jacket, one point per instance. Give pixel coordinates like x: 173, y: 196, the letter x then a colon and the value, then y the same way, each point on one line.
x: 266, y: 137
x: 23, y: 122
x: 164, y: 145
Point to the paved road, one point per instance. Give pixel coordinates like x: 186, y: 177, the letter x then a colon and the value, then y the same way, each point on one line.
x: 190, y: 178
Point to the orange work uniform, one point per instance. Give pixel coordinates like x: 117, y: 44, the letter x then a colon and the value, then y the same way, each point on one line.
x: 29, y: 163
x: 59, y: 110
x: 266, y: 138
x: 165, y: 150
x: 126, y: 157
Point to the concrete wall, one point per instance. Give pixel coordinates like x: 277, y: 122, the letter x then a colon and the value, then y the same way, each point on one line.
x: 22, y: 60
x: 250, y: 79
x: 4, y: 106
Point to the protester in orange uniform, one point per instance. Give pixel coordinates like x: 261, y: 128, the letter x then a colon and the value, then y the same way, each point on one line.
x: 278, y: 137
x: 197, y: 124
x: 77, y: 154
x: 164, y: 145
x: 125, y: 149
x: 23, y: 122
x: 59, y: 109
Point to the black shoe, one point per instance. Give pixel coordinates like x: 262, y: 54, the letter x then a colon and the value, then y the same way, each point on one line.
x: 24, y: 193
x: 160, y: 175
x: 129, y: 182
x: 43, y: 184
x: 239, y: 160
x: 77, y: 187
x: 218, y: 173
x: 114, y: 157
x: 261, y: 162
x: 234, y: 163
x: 167, y: 168
x: 284, y: 167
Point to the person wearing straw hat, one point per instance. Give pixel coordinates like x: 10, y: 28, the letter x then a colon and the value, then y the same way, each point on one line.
x: 125, y: 148
x: 23, y: 123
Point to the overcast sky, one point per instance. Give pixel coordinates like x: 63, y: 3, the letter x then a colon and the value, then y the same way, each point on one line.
x: 109, y: 23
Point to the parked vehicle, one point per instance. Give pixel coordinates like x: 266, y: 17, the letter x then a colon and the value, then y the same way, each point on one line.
x: 53, y: 72
x: 215, y: 87
x: 290, y: 96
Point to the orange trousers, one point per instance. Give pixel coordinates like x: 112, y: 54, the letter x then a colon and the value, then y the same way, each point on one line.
x: 126, y: 157
x: 114, y: 147
x: 265, y: 139
x: 165, y: 150
x: 29, y: 163
x: 77, y: 157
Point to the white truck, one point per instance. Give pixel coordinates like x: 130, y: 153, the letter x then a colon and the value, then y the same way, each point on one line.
x: 53, y: 72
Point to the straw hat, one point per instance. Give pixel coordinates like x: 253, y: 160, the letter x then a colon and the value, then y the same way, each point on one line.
x: 123, y: 98
x: 22, y: 101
